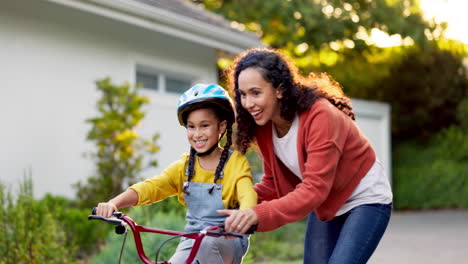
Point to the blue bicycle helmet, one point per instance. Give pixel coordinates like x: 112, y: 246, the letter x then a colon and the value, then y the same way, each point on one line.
x: 200, y: 94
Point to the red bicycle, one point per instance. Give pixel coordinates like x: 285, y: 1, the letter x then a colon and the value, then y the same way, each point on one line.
x: 122, y: 221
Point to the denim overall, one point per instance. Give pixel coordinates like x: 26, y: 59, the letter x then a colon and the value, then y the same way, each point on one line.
x: 201, y: 213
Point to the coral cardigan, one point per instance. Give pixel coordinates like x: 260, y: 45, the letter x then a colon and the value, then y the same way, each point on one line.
x: 333, y: 157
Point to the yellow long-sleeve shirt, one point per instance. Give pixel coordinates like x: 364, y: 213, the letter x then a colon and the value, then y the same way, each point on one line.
x: 237, y: 183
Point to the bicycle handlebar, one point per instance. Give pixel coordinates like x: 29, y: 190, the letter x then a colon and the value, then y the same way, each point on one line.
x: 121, y: 221
x: 115, y: 219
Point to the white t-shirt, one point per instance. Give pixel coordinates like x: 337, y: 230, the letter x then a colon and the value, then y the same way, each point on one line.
x: 373, y: 188
x: 286, y: 147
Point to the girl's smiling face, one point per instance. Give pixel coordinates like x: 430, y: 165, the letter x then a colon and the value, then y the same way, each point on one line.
x: 204, y: 129
x: 258, y: 96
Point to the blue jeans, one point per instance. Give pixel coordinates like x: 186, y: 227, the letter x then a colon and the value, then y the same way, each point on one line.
x: 350, y: 238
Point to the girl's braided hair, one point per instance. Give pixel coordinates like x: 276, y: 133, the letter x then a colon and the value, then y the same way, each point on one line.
x: 299, y: 93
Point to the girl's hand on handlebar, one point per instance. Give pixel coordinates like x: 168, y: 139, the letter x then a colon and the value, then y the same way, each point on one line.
x: 105, y: 209
x: 239, y: 221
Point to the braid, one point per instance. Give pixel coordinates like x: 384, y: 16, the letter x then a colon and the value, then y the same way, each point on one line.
x: 191, y: 164
x: 224, y: 155
x: 190, y: 169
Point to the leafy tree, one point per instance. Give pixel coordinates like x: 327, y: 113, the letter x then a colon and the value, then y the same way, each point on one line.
x: 462, y: 113
x: 424, y: 90
x: 423, y: 81
x: 304, y: 26
x: 361, y: 74
x: 121, y: 153
x: 333, y: 35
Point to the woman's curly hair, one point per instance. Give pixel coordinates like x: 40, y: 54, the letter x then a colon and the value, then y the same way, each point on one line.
x: 299, y: 93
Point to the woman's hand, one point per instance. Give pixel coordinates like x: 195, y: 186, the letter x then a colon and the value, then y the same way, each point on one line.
x: 239, y: 221
x: 105, y: 209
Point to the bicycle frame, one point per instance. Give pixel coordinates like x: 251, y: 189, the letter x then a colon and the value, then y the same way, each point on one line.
x: 121, y: 220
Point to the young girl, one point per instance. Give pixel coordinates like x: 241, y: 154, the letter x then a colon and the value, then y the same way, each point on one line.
x: 316, y: 160
x: 206, y: 180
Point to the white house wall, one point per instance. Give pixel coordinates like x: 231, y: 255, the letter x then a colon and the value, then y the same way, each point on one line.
x: 50, y: 57
x: 373, y: 119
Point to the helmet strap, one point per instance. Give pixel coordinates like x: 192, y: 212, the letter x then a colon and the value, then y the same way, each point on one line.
x: 208, y: 152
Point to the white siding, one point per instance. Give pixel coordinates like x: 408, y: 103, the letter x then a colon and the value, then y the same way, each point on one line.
x: 373, y: 119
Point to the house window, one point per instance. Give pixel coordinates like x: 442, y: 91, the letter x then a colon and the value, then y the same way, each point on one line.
x: 163, y: 82
x: 147, y: 80
x: 174, y: 85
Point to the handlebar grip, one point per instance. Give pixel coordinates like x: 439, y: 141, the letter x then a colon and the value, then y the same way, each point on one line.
x: 115, y: 213
x: 251, y: 230
x: 214, y: 233
x: 112, y: 221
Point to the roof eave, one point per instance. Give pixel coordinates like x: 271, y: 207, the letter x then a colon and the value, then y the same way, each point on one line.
x: 156, y: 19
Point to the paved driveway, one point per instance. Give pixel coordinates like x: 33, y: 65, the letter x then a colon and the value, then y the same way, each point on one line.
x: 430, y: 237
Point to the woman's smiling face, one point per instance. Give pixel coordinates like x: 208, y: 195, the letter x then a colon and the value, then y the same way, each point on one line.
x: 258, y: 96
x: 204, y: 129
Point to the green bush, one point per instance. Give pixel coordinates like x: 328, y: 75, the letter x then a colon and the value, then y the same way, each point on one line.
x: 78, y: 230
x: 30, y: 232
x: 433, y: 175
x: 278, y: 246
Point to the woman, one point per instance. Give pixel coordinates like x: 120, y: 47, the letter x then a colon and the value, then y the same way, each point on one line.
x: 316, y: 160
